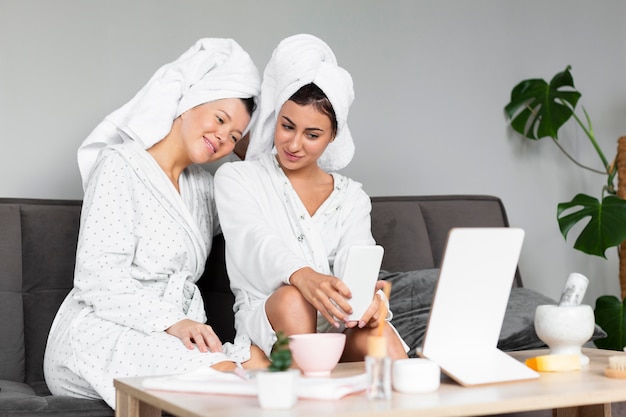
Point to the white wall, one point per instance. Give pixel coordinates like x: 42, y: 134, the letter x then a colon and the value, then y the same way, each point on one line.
x: 431, y: 80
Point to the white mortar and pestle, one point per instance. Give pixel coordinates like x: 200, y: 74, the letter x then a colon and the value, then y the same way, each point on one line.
x: 566, y: 327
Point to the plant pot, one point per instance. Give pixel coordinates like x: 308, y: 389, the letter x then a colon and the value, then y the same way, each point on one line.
x: 278, y: 390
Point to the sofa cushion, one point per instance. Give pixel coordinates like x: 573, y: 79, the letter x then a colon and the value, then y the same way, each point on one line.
x: 518, y: 328
x: 411, y: 298
x: 414, y: 229
x: 399, y: 227
x: 43, y: 232
x: 19, y: 399
x: 12, y: 388
x: 49, y: 236
x: 12, y: 365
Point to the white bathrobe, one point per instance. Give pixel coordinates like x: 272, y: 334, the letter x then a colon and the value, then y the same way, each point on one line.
x: 270, y: 235
x: 142, y: 246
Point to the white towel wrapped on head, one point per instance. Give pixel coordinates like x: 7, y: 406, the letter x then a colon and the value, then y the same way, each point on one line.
x: 297, y: 61
x: 212, y: 69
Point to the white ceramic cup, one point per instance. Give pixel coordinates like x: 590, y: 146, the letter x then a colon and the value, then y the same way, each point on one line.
x: 415, y: 375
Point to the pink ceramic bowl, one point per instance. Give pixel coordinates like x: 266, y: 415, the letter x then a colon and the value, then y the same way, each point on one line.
x: 316, y: 354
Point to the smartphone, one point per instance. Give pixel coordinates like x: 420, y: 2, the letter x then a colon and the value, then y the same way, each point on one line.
x: 360, y: 275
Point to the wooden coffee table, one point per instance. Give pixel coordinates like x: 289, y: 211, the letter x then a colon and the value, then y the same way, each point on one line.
x: 586, y: 393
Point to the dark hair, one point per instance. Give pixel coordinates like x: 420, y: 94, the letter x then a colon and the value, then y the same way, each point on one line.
x: 311, y: 94
x: 250, y: 105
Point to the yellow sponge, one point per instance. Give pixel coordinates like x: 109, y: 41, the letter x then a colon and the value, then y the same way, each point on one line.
x: 554, y: 363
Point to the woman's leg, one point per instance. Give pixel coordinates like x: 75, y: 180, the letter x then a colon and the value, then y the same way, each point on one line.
x: 288, y: 311
x: 356, y: 343
x: 257, y: 360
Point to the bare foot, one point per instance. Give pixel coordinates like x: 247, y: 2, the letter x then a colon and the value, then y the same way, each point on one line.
x: 224, y: 366
x: 257, y: 360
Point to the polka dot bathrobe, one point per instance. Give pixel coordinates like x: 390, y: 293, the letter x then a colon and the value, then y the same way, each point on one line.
x: 135, y: 277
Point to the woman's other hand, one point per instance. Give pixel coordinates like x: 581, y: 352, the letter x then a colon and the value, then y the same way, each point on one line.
x: 201, y: 334
x: 372, y: 315
x: 327, y: 293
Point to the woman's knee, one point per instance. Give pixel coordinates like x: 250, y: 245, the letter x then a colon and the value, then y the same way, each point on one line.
x: 289, y: 311
x: 288, y: 299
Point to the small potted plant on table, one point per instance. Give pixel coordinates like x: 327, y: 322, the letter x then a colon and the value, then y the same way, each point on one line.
x: 278, y: 384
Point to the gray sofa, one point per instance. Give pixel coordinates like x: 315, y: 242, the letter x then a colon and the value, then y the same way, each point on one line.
x: 37, y: 247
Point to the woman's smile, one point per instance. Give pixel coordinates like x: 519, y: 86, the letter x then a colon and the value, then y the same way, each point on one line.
x: 212, y: 148
x: 291, y: 157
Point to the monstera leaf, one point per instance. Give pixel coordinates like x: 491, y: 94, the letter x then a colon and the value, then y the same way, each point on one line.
x: 611, y: 316
x: 607, y: 222
x: 537, y: 109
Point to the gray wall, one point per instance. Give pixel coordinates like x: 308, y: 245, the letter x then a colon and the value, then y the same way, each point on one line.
x: 431, y: 80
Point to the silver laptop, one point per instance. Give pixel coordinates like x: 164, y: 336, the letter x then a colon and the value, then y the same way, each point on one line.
x: 468, y: 307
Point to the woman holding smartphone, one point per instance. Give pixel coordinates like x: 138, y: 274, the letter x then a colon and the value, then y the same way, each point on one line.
x: 288, y: 217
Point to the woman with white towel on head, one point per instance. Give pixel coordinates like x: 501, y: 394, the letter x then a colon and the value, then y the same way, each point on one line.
x: 288, y: 217
x: 147, y: 223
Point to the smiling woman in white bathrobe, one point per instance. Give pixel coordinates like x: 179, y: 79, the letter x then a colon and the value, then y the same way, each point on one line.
x: 288, y: 219
x: 147, y: 224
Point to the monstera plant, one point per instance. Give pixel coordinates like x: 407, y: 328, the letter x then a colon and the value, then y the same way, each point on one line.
x: 537, y: 110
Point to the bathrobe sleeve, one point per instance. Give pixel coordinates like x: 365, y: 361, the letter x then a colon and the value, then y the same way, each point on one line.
x: 107, y: 254
x: 355, y: 228
x: 259, y: 255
